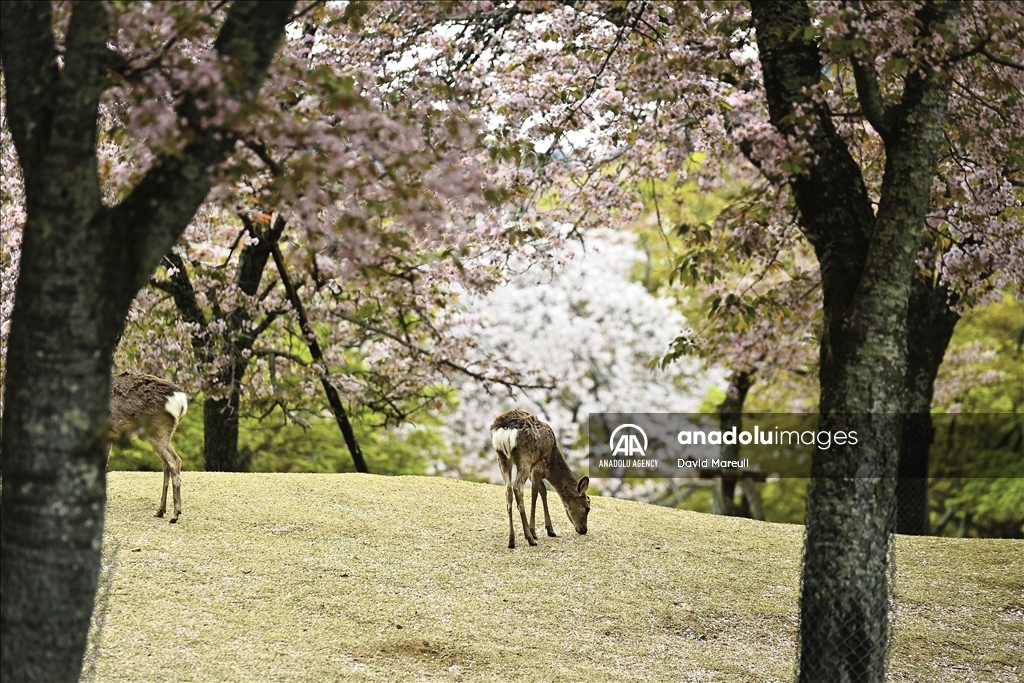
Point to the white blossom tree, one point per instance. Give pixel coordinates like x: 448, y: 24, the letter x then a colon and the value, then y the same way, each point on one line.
x: 588, y: 330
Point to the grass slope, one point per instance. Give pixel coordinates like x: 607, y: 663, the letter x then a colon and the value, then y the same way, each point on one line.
x: 307, y: 577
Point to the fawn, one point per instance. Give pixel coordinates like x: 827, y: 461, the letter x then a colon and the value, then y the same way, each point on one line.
x: 525, y: 442
x: 156, y: 407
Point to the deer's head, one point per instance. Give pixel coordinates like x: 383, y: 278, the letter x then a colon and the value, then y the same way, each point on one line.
x: 577, y: 506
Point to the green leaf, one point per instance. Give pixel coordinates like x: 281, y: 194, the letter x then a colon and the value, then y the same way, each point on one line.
x: 894, y: 66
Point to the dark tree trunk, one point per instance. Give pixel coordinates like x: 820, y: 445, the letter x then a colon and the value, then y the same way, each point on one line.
x: 730, y: 414
x: 867, y: 266
x: 930, y: 324
x: 220, y: 434
x: 81, y: 265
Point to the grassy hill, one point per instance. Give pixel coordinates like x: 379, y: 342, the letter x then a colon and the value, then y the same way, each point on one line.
x: 317, y: 577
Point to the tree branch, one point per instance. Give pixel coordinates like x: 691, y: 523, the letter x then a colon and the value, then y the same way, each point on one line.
x: 180, y: 287
x: 835, y: 209
x: 29, y: 57
x: 177, y: 185
x: 314, y: 350
x: 443, y: 362
x: 868, y: 91
x: 271, y: 353
x: 264, y: 324
x: 999, y: 60
x: 870, y: 95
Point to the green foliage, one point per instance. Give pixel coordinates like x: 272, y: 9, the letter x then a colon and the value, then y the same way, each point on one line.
x: 978, y: 475
x: 994, y: 384
x: 271, y: 445
x: 678, y: 239
x: 784, y: 499
x: 712, y: 399
x: 977, y: 460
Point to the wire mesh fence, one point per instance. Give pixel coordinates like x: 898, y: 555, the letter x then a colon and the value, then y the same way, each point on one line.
x: 854, y: 640
x: 108, y: 571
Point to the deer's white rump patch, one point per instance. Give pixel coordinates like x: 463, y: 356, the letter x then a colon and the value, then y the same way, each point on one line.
x: 177, y: 405
x: 504, y: 440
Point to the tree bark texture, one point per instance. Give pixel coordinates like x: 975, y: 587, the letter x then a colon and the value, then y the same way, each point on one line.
x: 930, y: 324
x: 81, y: 265
x: 220, y: 434
x: 867, y: 266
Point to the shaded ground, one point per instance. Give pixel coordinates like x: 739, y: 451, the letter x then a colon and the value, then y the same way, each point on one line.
x: 316, y: 577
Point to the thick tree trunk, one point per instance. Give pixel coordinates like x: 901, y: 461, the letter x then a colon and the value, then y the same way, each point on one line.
x: 221, y: 418
x: 81, y: 265
x: 930, y: 324
x: 52, y: 528
x: 867, y: 265
x: 58, y: 380
x: 58, y: 357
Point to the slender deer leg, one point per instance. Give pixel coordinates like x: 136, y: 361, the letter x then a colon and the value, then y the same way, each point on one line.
x: 518, y: 489
x: 163, y: 496
x: 506, y: 474
x: 172, y: 472
x: 533, y: 507
x: 176, y: 483
x: 538, y: 483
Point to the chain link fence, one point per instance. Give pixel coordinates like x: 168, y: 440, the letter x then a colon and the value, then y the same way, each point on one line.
x: 108, y: 570
x: 849, y: 600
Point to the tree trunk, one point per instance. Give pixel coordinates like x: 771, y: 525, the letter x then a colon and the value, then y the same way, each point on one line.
x: 220, y: 434
x: 930, y: 324
x: 867, y: 264
x: 81, y: 265
x: 58, y: 355
x: 58, y: 381
x: 730, y: 414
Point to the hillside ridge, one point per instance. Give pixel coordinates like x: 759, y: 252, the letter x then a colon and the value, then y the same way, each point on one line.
x: 310, y: 577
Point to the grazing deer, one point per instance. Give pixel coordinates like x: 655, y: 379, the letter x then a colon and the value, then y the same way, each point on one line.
x: 525, y: 442
x: 156, y: 407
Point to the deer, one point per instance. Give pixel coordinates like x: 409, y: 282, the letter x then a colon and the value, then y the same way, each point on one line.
x: 524, y: 442
x: 154, y: 406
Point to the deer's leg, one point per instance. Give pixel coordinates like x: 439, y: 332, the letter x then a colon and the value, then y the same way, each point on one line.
x: 521, y: 478
x: 506, y: 474
x: 175, y: 472
x: 163, y: 496
x: 160, y: 438
x: 533, y: 508
x: 538, y: 487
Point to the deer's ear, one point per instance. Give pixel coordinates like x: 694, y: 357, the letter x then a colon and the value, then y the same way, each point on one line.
x: 583, y: 485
